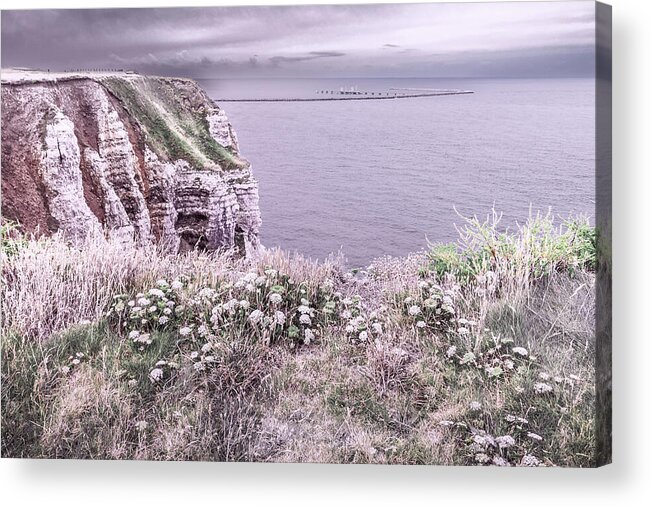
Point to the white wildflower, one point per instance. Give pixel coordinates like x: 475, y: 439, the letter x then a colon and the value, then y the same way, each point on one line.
x: 529, y: 460
x: 451, y: 351
x: 162, y: 320
x: 304, y: 309
x: 275, y: 298
x: 377, y: 327
x: 357, y: 321
x: 279, y: 317
x: 142, y: 302
x: 176, y: 285
x: 463, y: 331
x: 255, y: 316
x: 534, y: 436
x: 521, y: 351
x: 505, y: 441
x: 544, y: 376
x: 157, y: 293
x: 152, y: 309
x: 542, y: 388
x: 475, y: 405
x: 141, y: 338
x: 363, y: 336
x: 141, y: 425
x: 249, y: 277
x: 309, y: 336
x: 346, y: 314
x: 350, y: 328
x: 421, y: 324
x: 167, y: 311
x: 481, y: 458
x: 206, y: 347
x: 194, y: 354
x: 500, y: 461
x: 185, y: 331
x: 244, y: 304
x: 305, y: 319
x: 482, y: 440
x: 414, y: 310
x: 133, y: 335
x: 156, y: 374
x: 468, y: 357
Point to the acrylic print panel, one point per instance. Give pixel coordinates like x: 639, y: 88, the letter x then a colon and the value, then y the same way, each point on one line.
x: 341, y: 234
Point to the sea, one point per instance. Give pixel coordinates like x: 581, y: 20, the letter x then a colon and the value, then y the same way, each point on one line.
x: 372, y: 178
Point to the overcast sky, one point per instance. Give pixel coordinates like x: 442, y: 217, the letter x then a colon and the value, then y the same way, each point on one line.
x: 519, y: 39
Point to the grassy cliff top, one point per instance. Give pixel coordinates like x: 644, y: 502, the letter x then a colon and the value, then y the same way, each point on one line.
x: 172, y: 112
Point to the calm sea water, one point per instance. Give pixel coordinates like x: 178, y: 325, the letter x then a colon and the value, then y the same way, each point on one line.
x: 383, y: 177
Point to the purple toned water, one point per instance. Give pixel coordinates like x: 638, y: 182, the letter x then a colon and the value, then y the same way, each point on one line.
x: 382, y: 177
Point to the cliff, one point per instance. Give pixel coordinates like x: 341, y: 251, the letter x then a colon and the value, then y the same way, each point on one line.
x: 144, y: 159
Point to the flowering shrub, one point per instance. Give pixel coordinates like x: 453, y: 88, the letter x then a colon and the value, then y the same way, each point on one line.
x: 361, y: 325
x: 155, y: 310
x: 495, y: 357
x: 267, y: 306
x: 431, y: 309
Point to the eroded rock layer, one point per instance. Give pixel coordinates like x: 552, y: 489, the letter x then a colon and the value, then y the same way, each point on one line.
x: 143, y: 159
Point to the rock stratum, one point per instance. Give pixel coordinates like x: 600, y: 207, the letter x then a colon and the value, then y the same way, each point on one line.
x: 148, y: 160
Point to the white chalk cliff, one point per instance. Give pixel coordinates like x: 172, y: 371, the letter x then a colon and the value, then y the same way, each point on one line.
x: 143, y: 159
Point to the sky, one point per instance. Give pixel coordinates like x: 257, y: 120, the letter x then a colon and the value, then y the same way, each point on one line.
x: 508, y: 39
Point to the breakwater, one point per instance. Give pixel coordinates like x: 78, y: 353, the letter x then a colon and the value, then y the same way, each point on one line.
x: 334, y: 96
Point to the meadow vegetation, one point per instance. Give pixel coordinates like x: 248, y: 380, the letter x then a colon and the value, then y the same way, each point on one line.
x: 478, y: 353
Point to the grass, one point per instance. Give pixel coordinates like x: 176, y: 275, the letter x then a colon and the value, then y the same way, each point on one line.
x: 175, y: 131
x: 482, y: 354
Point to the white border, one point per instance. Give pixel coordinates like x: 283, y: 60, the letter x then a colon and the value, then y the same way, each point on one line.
x: 626, y: 482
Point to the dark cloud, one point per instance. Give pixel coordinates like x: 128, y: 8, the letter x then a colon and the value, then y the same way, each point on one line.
x: 312, y: 55
x: 326, y: 54
x: 466, y: 39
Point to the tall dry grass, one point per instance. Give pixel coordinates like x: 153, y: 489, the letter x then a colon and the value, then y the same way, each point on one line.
x: 384, y: 390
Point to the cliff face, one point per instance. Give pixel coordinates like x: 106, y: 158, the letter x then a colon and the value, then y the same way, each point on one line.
x: 144, y: 159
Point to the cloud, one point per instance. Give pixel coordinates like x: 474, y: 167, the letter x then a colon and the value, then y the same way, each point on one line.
x: 276, y: 41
